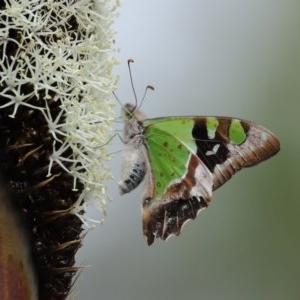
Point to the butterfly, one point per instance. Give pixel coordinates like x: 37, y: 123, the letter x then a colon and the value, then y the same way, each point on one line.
x: 183, y: 160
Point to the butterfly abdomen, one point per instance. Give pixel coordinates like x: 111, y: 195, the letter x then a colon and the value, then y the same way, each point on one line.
x: 133, y: 166
x: 134, y: 178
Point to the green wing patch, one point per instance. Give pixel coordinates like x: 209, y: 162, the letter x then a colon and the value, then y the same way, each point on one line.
x: 237, y: 133
x: 170, y: 144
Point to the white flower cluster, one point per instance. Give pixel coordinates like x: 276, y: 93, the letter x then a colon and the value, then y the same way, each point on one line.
x: 74, y: 68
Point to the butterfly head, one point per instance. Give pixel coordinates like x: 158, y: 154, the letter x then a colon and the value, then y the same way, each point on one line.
x: 130, y: 111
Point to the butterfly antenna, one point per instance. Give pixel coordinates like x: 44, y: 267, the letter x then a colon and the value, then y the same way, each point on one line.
x: 130, y: 61
x: 148, y: 87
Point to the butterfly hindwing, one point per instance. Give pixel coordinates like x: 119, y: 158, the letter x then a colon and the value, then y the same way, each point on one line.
x: 175, y: 194
x: 191, y: 156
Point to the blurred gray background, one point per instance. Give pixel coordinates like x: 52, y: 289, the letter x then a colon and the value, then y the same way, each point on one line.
x: 231, y: 58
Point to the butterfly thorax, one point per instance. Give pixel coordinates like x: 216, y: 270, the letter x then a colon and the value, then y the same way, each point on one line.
x: 133, y: 126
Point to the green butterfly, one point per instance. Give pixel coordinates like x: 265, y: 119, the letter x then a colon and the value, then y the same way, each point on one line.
x: 183, y: 159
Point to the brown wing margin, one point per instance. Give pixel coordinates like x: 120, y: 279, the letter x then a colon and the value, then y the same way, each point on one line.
x: 164, y: 219
x: 260, y: 145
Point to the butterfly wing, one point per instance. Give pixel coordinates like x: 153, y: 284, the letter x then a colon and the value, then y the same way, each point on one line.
x: 190, y: 157
x: 232, y: 144
x: 181, y: 185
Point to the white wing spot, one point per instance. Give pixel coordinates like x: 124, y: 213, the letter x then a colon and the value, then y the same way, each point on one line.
x: 209, y: 153
x: 216, y: 148
x: 213, y: 151
x: 165, y: 223
x: 264, y: 136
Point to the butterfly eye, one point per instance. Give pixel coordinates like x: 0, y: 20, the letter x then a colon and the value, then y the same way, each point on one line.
x: 128, y: 111
x: 128, y: 115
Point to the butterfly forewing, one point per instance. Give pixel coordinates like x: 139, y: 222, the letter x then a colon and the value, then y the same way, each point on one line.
x: 233, y: 145
x: 225, y: 145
